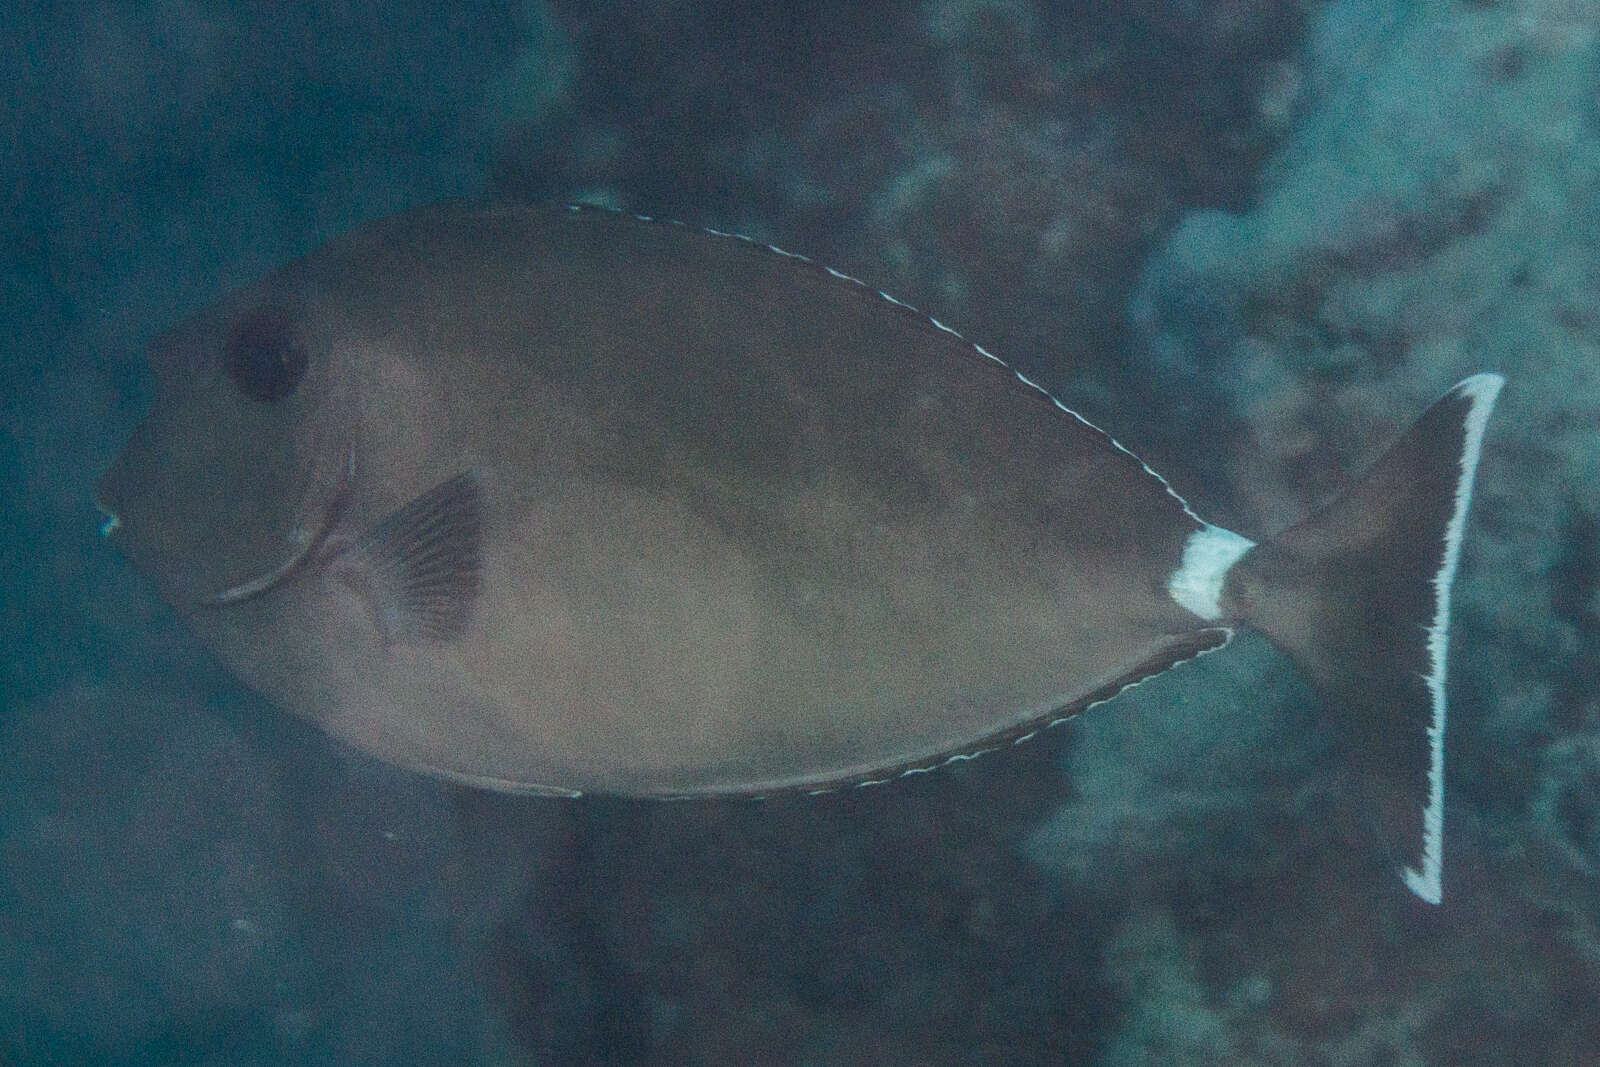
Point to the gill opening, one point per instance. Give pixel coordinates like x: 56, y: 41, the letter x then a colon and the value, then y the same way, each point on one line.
x: 292, y: 566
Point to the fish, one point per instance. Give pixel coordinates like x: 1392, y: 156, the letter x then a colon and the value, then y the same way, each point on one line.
x: 562, y: 500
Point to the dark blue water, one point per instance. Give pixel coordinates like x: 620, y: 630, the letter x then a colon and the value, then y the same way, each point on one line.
x: 1252, y: 238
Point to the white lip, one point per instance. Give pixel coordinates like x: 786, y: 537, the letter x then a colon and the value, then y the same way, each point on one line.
x: 291, y: 566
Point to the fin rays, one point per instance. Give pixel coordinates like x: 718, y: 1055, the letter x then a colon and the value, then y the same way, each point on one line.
x: 421, y: 566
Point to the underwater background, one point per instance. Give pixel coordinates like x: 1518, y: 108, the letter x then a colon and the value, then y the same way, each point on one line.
x: 1252, y: 238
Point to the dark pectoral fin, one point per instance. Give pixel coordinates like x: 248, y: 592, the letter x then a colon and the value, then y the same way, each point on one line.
x: 420, y: 566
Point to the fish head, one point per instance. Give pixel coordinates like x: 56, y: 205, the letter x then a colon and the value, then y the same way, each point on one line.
x: 239, y: 466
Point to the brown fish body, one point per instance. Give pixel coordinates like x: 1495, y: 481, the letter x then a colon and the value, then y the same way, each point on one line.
x: 746, y: 525
x: 735, y: 523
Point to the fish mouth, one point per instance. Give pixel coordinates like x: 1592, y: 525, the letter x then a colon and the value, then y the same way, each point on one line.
x: 297, y: 561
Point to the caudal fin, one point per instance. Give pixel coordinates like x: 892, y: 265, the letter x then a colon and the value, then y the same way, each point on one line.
x: 1359, y: 595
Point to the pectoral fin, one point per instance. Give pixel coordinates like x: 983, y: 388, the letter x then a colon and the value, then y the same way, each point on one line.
x: 420, y: 568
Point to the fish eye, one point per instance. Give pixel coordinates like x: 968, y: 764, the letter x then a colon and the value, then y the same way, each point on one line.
x: 264, y: 356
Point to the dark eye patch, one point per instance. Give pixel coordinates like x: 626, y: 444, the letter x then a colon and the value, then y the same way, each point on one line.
x: 264, y: 355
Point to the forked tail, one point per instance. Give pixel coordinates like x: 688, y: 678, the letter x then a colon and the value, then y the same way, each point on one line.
x: 1359, y: 595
